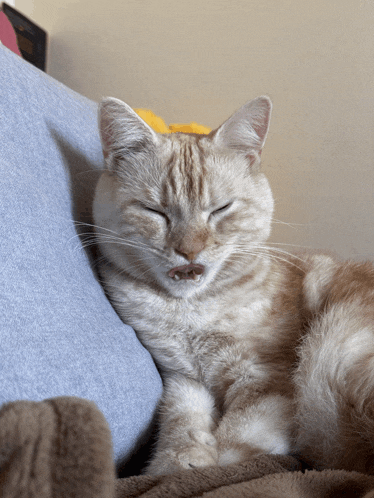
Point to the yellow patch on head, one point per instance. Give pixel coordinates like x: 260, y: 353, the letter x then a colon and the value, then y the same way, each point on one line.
x: 159, y: 125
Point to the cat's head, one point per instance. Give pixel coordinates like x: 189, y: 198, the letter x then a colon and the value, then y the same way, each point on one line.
x: 183, y: 213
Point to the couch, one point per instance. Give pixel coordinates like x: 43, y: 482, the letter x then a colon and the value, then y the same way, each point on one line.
x: 59, y: 334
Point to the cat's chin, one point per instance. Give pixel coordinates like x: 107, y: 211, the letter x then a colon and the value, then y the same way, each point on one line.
x: 185, y: 287
x: 191, y: 271
x: 189, y: 280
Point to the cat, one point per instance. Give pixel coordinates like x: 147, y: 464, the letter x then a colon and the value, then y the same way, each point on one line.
x: 260, y: 351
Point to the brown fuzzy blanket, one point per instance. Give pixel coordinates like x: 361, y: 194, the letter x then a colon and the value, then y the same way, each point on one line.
x: 61, y: 447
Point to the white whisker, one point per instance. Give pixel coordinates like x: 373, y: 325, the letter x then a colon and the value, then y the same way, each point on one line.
x: 287, y: 244
x: 281, y: 251
x: 83, y: 223
x: 291, y: 225
x: 267, y: 252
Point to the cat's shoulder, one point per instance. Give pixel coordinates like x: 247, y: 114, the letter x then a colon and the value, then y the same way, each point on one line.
x: 325, y: 272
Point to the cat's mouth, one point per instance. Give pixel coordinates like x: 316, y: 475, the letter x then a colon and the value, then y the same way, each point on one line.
x: 187, y: 272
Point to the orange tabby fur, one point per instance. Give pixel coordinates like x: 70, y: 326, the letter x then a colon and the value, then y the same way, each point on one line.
x: 260, y: 351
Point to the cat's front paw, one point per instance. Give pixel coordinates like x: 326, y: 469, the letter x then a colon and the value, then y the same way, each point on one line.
x: 237, y: 453
x: 199, y: 451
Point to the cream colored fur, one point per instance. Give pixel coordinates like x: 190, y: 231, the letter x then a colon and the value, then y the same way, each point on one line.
x: 261, y: 351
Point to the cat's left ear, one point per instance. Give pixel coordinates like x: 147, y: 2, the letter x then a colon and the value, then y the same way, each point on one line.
x: 247, y: 129
x: 123, y: 133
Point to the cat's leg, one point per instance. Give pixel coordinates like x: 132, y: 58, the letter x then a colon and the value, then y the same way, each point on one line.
x: 187, y: 419
x: 335, y: 390
x: 256, y: 404
x: 255, y: 398
x: 256, y: 420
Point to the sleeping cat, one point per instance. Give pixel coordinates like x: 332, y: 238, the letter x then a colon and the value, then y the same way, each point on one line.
x: 259, y: 352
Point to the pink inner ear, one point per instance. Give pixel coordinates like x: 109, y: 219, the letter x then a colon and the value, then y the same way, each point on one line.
x: 252, y: 157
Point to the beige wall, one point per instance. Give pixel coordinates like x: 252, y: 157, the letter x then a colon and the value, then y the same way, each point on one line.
x: 202, y: 59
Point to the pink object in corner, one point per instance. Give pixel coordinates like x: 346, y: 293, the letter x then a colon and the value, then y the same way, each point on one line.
x: 8, y: 35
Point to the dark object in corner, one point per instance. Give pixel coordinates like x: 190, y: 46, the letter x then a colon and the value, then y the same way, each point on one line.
x: 32, y: 40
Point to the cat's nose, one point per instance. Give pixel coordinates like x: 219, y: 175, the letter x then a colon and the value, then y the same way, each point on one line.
x: 189, y: 249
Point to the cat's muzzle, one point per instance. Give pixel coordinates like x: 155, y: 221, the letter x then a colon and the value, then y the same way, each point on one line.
x: 191, y: 271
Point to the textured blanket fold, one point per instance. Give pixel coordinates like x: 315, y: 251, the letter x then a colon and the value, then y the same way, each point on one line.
x: 55, y: 448
x: 215, y: 481
x: 61, y: 447
x: 267, y: 476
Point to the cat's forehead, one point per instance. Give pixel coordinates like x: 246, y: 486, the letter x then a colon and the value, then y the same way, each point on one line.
x: 194, y: 169
x: 183, y: 162
x: 187, y: 144
x: 200, y: 154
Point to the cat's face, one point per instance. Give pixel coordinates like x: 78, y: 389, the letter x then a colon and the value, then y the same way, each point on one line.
x: 181, y: 212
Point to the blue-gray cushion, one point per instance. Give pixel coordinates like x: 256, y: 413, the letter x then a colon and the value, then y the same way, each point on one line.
x: 59, y: 333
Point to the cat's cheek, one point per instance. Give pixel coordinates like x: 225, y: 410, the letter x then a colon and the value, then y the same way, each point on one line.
x: 147, y: 228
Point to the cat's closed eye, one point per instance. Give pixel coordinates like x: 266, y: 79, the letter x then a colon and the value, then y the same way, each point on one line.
x: 154, y: 210
x: 221, y: 209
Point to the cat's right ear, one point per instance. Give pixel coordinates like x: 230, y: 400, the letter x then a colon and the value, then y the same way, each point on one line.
x: 246, y: 130
x: 124, y: 135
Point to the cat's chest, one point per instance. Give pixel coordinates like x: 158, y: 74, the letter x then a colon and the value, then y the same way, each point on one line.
x: 177, y: 331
